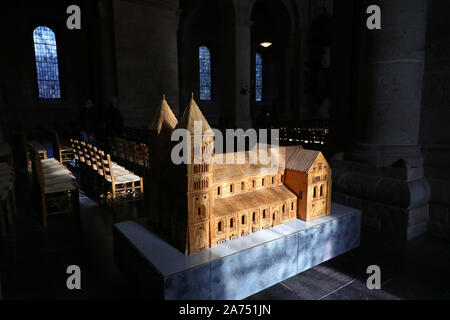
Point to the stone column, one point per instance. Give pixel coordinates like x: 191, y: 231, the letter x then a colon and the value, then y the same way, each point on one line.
x: 383, y: 175
x: 243, y: 63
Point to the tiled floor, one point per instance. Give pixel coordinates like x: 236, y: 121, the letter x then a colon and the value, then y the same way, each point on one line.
x: 34, y: 259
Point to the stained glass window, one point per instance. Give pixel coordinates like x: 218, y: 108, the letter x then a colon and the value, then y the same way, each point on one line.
x: 259, y: 78
x: 46, y: 63
x: 205, y: 73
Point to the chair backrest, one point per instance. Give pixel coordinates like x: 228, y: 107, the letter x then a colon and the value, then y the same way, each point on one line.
x: 92, y: 156
x: 74, y: 144
x: 81, y: 146
x: 38, y: 172
x: 87, y: 154
x: 107, y: 168
x: 56, y: 143
x: 142, y: 156
x: 98, y: 160
x: 119, y: 148
x: 130, y: 149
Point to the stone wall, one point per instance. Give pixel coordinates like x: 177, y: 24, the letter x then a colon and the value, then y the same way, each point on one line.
x: 146, y: 57
x: 434, y: 131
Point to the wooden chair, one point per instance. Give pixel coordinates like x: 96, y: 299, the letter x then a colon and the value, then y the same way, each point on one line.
x: 119, y: 182
x: 62, y: 152
x: 142, y: 159
x: 57, y: 188
x: 119, y: 150
x: 130, y: 156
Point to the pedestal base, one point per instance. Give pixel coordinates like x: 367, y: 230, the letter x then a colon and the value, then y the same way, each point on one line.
x: 237, y: 268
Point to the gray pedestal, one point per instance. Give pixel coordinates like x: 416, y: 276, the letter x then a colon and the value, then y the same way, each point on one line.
x: 237, y: 268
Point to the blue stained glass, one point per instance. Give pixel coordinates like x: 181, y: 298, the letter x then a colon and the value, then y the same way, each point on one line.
x: 259, y: 77
x: 46, y: 63
x: 205, y: 73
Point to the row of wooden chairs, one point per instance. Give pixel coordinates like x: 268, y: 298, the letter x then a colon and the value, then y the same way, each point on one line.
x: 57, y: 188
x: 131, y: 155
x: 104, y: 179
x: 7, y: 194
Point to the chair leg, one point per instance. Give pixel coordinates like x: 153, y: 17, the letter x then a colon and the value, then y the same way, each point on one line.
x: 44, y: 210
x: 76, y: 199
x: 2, y: 222
x: 9, y: 209
x: 13, y: 199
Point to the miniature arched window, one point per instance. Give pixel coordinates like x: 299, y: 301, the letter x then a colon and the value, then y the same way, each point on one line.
x: 264, y: 213
x: 321, y: 190
x: 284, y: 208
x: 231, y: 223
x: 292, y: 205
x: 315, y: 192
x: 258, y: 77
x: 204, y: 57
x: 46, y: 63
x: 243, y: 219
x: 263, y: 180
x: 218, y: 191
x: 219, y: 226
x: 254, y: 216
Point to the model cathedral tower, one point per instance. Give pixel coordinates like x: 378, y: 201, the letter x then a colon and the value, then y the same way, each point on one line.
x: 199, y: 204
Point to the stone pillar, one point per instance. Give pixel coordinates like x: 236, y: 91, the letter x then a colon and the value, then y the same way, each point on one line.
x: 243, y: 63
x: 106, y: 58
x: 383, y: 175
x: 288, y: 77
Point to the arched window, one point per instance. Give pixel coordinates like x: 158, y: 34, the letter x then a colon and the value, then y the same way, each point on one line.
x: 321, y: 190
x: 46, y: 63
x: 258, y: 77
x: 205, y: 73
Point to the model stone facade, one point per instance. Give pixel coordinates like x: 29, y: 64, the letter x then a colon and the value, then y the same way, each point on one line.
x: 199, y: 205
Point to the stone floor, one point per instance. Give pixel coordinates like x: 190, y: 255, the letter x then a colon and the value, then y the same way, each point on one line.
x: 34, y: 259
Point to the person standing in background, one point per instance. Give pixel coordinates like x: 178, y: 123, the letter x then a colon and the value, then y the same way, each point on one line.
x: 87, y: 121
x: 114, y: 120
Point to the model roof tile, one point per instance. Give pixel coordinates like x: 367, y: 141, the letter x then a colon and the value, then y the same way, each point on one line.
x: 300, y: 159
x: 252, y: 200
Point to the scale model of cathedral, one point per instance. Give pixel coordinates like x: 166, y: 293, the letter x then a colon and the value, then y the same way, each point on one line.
x: 198, y: 206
